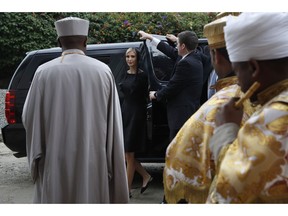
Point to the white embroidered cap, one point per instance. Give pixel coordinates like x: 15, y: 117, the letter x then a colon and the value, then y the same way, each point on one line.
x: 259, y: 36
x: 72, y: 26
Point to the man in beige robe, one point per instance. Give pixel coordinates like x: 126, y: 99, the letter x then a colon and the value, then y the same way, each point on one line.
x: 73, y: 126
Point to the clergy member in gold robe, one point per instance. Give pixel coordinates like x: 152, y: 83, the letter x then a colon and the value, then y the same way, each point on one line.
x: 189, y: 164
x: 254, y: 169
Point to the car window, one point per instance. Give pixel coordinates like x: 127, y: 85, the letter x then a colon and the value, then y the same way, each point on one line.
x: 30, y: 70
x: 20, y: 71
x: 163, y: 65
x: 105, y: 59
x: 43, y: 58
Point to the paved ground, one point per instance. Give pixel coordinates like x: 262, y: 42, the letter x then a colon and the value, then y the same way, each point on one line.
x: 16, y: 185
x: 15, y: 181
x: 154, y: 193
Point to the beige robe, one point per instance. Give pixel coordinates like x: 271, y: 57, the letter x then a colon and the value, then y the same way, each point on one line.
x: 74, y: 132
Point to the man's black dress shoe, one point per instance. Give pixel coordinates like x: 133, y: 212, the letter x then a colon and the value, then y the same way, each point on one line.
x: 147, y: 185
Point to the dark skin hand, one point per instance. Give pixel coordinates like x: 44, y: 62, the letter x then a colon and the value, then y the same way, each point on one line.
x: 229, y: 114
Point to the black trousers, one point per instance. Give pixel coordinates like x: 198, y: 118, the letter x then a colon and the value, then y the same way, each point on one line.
x: 173, y: 133
x: 182, y: 201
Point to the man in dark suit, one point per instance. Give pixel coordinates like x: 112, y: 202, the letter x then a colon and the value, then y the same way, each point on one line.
x: 183, y: 91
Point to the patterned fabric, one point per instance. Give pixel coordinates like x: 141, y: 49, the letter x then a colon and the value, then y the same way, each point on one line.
x: 255, y: 167
x: 222, y: 83
x: 189, y: 166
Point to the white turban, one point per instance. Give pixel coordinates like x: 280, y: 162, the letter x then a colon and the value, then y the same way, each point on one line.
x: 259, y: 36
x: 71, y: 26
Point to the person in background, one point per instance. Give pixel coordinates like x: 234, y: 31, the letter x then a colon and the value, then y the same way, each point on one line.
x: 134, y: 114
x: 172, y: 52
x: 208, y: 70
x: 189, y: 165
x: 254, y: 167
x: 213, y: 77
x: 183, y: 91
x: 73, y: 123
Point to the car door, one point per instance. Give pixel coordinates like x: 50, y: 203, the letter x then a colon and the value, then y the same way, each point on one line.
x: 158, y: 68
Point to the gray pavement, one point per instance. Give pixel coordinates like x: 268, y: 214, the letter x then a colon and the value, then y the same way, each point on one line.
x: 16, y: 184
x: 154, y: 193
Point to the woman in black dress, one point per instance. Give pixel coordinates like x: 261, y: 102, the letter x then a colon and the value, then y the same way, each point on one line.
x: 135, y: 90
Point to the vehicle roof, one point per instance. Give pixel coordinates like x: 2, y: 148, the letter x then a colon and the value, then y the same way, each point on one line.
x: 105, y: 46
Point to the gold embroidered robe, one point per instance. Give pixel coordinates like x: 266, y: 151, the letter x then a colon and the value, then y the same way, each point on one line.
x: 189, y: 166
x: 255, y: 166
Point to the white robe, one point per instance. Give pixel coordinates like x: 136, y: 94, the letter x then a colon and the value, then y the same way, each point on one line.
x: 74, y: 133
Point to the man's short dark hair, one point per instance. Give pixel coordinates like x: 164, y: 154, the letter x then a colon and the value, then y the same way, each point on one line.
x: 189, y: 38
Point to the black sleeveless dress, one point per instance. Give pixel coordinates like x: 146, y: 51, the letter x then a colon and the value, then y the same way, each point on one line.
x: 134, y: 111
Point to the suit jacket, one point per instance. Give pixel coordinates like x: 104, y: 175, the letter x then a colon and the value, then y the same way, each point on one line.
x: 183, y: 91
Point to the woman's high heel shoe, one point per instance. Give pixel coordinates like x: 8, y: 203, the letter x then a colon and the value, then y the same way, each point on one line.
x: 146, y: 186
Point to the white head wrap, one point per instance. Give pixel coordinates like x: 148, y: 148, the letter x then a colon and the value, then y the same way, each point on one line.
x: 71, y: 26
x: 259, y: 36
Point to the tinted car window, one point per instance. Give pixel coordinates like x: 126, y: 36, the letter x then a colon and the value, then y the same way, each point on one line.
x: 163, y: 65
x: 36, y: 61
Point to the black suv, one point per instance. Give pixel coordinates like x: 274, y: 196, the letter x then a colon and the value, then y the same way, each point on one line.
x: 153, y: 62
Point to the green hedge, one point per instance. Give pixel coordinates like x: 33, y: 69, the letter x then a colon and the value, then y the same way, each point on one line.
x: 22, y: 32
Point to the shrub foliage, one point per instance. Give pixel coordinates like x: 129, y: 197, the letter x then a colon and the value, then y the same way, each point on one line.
x: 23, y: 32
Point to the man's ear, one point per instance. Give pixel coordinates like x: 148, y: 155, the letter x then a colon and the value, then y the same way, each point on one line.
x: 218, y: 57
x: 85, y: 42
x: 255, y: 68
x: 182, y: 46
x: 213, y: 54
